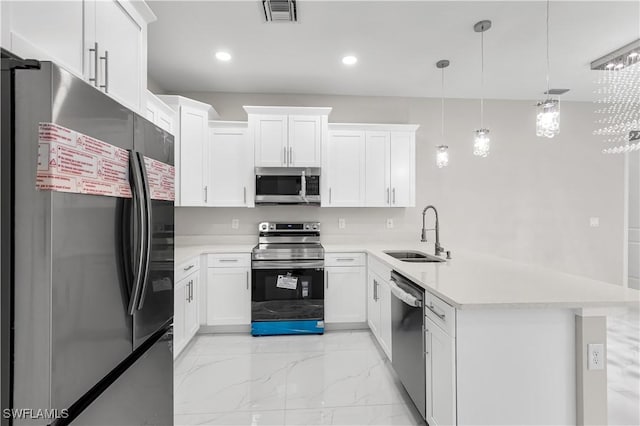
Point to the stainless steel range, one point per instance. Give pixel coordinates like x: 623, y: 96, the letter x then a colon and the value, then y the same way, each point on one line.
x: 287, y: 290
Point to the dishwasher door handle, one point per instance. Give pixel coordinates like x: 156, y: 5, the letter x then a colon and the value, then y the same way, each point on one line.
x: 407, y: 298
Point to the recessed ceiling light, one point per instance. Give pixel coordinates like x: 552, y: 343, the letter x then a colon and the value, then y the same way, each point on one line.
x: 223, y: 56
x: 633, y: 55
x: 619, y: 66
x: 610, y: 65
x: 349, y: 60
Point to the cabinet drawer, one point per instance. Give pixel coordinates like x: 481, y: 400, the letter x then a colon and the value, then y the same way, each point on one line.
x: 440, y: 313
x: 230, y: 260
x: 344, y: 259
x: 379, y: 268
x: 186, y: 268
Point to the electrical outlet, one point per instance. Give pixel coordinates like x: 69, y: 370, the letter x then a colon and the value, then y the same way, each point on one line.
x: 342, y: 223
x: 235, y: 223
x: 595, y: 353
x: 594, y: 222
x: 389, y: 223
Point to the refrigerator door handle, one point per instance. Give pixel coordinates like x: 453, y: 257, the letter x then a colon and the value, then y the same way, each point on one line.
x: 147, y: 209
x: 139, y: 230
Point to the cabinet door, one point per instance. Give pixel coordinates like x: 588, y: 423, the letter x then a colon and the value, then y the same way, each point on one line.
x: 192, y: 322
x: 344, y: 171
x: 164, y: 121
x: 403, y: 160
x: 193, y: 135
x: 228, y: 296
x: 373, y: 307
x: 377, y: 180
x: 441, y: 379
x: 47, y: 30
x: 305, y: 140
x: 384, y: 300
x: 230, y: 167
x: 270, y: 139
x: 345, y: 294
x: 119, y: 39
x: 179, y: 309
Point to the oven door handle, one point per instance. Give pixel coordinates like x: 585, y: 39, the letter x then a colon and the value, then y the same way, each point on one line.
x: 286, y: 264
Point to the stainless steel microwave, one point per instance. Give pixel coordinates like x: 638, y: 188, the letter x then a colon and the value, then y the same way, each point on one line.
x: 288, y: 185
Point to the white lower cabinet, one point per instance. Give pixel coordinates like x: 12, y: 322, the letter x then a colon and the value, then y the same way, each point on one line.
x: 345, y: 294
x: 185, y: 307
x: 441, y: 375
x: 228, y: 296
x: 379, y: 310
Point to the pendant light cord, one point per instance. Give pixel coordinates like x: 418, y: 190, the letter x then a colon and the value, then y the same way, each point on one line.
x: 442, y: 107
x: 548, y: 62
x: 482, y: 80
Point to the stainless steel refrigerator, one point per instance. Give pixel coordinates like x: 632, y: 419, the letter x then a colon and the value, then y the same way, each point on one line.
x: 87, y: 280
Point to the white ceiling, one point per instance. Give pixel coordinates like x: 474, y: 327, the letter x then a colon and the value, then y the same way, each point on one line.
x: 397, y: 44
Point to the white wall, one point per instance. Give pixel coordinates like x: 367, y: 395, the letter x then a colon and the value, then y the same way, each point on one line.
x: 634, y: 220
x: 530, y: 200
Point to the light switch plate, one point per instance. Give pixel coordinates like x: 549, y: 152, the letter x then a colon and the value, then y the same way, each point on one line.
x: 342, y: 223
x: 235, y: 223
x: 594, y: 222
x: 595, y: 354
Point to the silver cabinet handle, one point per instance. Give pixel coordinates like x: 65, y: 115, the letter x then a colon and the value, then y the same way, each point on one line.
x: 291, y: 156
x: 188, y: 291
x: 425, y: 340
x: 387, y: 195
x: 394, y: 195
x: 244, y: 194
x: 205, y: 193
x: 228, y: 260
x: 284, y: 156
x: 191, y: 291
x: 433, y: 309
x: 329, y: 195
x: 326, y: 279
x: 247, y: 280
x: 105, y: 58
x: 188, y: 267
x: 375, y: 290
x: 345, y: 259
x: 94, y: 79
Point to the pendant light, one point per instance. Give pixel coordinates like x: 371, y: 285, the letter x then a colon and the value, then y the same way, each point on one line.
x: 481, y: 141
x: 548, y: 111
x: 442, y: 155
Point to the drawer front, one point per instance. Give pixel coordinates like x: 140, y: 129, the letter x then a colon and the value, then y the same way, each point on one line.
x: 344, y: 259
x: 230, y: 260
x: 187, y: 268
x: 379, y: 268
x: 441, y: 313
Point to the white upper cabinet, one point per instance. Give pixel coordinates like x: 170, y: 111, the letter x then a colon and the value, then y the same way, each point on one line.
x: 387, y: 158
x: 191, y: 135
x: 161, y: 114
x: 343, y: 171
x: 305, y: 140
x: 270, y: 138
x: 403, y: 164
x: 377, y: 166
x: 231, y: 172
x: 101, y: 41
x: 54, y: 33
x: 287, y: 136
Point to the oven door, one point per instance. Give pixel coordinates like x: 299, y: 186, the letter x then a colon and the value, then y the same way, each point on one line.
x: 287, y: 297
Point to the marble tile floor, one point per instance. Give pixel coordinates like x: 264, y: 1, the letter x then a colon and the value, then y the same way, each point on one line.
x: 623, y: 367
x: 340, y: 378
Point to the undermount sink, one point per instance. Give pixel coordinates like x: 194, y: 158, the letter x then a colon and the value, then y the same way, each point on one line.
x: 413, y: 256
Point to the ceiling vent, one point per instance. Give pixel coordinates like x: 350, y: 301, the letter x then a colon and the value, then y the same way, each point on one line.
x: 280, y: 10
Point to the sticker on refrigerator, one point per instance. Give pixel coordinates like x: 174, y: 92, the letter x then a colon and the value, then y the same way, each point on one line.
x: 69, y: 161
x: 287, y: 281
x: 161, y: 179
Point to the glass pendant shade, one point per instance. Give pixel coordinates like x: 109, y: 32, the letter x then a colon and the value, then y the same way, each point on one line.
x: 481, y: 143
x: 442, y: 157
x: 548, y: 118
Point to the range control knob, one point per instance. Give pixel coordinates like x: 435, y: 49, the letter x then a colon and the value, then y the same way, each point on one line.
x: 315, y: 226
x: 273, y: 227
x: 306, y: 227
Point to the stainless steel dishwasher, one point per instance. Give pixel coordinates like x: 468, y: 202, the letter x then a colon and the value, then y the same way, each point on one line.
x: 407, y: 339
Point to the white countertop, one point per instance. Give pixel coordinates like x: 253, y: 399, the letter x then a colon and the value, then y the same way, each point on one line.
x: 475, y: 281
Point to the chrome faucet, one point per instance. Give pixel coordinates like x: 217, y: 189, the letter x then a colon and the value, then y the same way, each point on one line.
x: 439, y: 248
